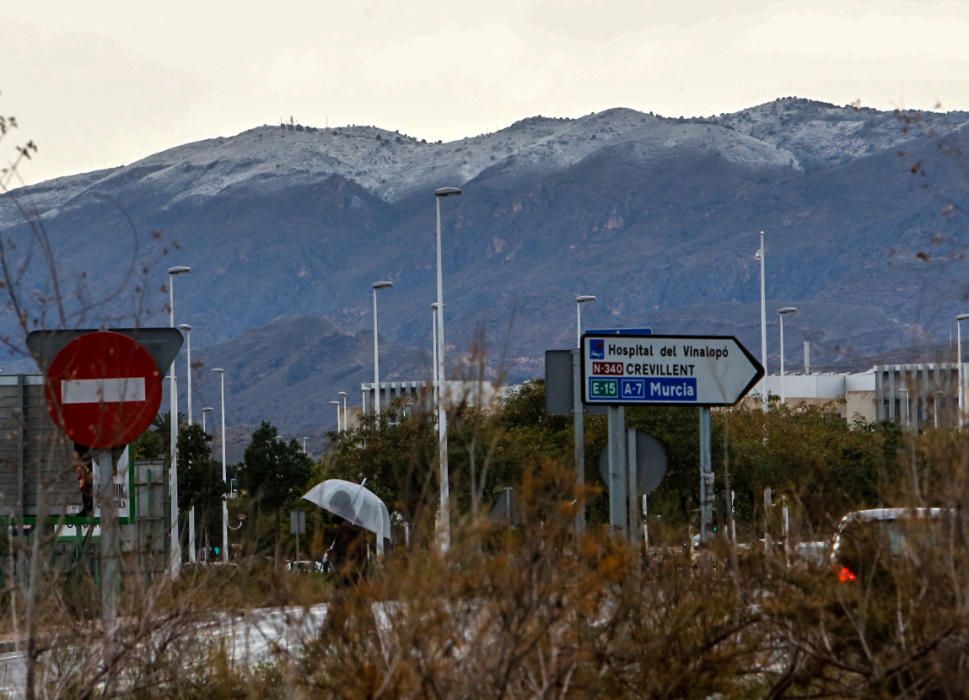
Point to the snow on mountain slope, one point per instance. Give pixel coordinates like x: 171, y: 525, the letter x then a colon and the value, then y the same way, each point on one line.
x: 788, y: 133
x: 821, y: 134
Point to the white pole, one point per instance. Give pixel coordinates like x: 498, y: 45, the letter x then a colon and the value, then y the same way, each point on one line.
x: 188, y: 371
x: 783, y: 393
x: 346, y: 421
x: 376, y: 361
x: 578, y: 419
x: 763, y: 322
x: 225, y: 479
x: 434, y: 380
x: 176, y: 548
x: 959, y: 368
x: 188, y: 367
x: 442, y: 379
x: 781, y: 313
x: 578, y: 324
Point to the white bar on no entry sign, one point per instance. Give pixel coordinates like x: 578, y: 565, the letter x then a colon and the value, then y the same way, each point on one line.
x: 103, y: 390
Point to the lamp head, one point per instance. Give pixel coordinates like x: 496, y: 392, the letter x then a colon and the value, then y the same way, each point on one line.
x: 179, y: 270
x: 582, y: 298
x: 447, y: 191
x: 787, y: 310
x: 334, y: 402
x: 207, y: 409
x: 962, y: 317
x: 382, y: 284
x: 219, y: 370
x: 185, y: 327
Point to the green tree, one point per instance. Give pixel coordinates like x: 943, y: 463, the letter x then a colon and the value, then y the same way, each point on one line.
x: 200, y: 481
x: 396, y: 458
x: 274, y: 473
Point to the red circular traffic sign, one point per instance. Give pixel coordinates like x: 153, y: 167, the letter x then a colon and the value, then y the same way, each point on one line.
x: 103, y: 389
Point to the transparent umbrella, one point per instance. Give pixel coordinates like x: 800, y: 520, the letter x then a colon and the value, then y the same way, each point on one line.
x: 353, y: 503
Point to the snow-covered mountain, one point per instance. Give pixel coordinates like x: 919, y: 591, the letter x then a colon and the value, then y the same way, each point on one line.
x: 657, y: 216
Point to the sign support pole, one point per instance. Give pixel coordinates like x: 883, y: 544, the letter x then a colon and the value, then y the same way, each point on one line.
x: 617, y: 469
x: 110, y: 565
x: 578, y: 418
x: 632, y: 466
x: 706, y: 476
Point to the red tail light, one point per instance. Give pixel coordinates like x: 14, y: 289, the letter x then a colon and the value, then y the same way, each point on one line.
x: 846, y: 575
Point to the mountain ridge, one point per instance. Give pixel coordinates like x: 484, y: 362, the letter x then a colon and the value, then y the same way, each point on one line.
x: 656, y: 216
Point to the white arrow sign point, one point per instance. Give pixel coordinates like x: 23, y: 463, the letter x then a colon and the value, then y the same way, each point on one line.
x: 119, y: 390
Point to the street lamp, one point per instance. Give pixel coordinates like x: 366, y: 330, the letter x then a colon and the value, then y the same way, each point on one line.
x: 187, y: 329
x: 578, y: 420
x: 760, y: 256
x: 336, y: 403
x: 960, y: 369
x: 305, y: 438
x: 376, y: 358
x: 225, y: 478
x: 343, y: 395
x: 434, y: 354
x: 781, y: 313
x: 176, y: 551
x: 188, y: 364
x: 440, y: 194
x: 205, y: 409
x: 579, y: 301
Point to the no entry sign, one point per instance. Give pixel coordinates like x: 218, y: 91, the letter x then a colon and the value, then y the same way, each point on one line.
x: 103, y: 389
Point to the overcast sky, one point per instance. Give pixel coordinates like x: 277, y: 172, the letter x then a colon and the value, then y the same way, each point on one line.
x: 104, y: 83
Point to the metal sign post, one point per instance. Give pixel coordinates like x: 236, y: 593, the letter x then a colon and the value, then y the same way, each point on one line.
x: 660, y: 370
x: 110, y: 550
x: 706, y: 476
x: 617, y: 469
x: 578, y: 418
x: 632, y: 487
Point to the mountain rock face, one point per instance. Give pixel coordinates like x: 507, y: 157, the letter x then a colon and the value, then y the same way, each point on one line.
x: 286, y: 227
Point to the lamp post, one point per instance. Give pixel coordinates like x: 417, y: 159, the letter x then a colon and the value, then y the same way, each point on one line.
x: 440, y: 194
x: 225, y: 479
x: 434, y: 354
x: 759, y: 256
x: 176, y: 547
x: 579, y: 301
x: 578, y: 418
x: 336, y: 403
x: 305, y: 438
x: 376, y: 355
x: 960, y: 369
x: 187, y: 329
x: 205, y: 409
x: 781, y: 313
x: 346, y: 422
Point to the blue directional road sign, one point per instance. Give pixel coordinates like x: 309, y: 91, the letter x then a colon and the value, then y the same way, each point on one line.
x: 666, y: 370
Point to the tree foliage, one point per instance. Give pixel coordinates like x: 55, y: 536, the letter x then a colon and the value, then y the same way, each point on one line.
x: 274, y: 472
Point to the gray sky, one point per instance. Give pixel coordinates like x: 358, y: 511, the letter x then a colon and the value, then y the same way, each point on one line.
x: 105, y: 83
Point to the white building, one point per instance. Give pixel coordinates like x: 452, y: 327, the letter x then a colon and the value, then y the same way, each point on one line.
x: 914, y: 395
